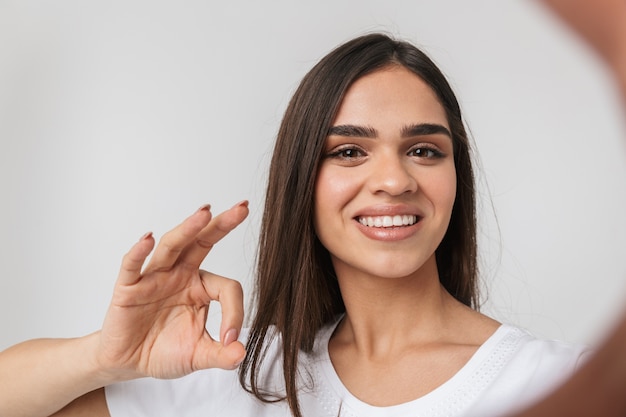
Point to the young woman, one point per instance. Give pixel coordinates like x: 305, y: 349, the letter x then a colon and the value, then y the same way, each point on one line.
x: 366, y: 281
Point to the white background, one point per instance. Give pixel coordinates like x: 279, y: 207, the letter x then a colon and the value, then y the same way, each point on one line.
x: 120, y: 117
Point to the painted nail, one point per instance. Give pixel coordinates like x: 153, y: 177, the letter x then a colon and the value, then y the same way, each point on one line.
x: 242, y: 203
x: 206, y: 207
x: 230, y: 337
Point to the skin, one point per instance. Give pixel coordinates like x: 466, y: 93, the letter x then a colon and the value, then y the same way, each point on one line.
x: 597, y: 389
x: 602, y: 25
x: 400, y: 322
x: 155, y: 309
x: 155, y: 306
x: 389, y: 173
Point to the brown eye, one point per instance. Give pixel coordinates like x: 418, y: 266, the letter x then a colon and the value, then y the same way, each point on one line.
x: 426, y: 152
x: 350, y: 153
x: 347, y: 153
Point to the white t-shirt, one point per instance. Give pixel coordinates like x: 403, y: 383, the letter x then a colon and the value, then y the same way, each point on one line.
x: 510, y: 369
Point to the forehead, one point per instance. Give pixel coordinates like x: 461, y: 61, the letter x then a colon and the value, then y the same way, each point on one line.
x: 390, y: 96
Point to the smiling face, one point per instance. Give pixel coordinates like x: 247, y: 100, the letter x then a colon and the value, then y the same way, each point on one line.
x: 387, y: 183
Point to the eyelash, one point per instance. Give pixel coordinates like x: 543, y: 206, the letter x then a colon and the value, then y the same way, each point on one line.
x: 341, y: 153
x: 435, y: 153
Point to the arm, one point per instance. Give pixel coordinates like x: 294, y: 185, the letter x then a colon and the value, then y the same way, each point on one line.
x: 155, y: 327
x: 599, y: 387
x: 41, y: 376
x: 600, y: 23
x: 92, y: 404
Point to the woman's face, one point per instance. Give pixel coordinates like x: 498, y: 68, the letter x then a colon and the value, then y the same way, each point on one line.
x: 387, y: 181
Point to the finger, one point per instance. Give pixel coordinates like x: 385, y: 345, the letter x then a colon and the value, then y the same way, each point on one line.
x: 217, y: 228
x: 130, y: 271
x: 229, y: 352
x: 215, y: 355
x: 176, y: 240
x: 229, y: 294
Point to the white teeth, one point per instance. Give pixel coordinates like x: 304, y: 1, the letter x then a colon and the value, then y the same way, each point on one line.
x: 388, y: 221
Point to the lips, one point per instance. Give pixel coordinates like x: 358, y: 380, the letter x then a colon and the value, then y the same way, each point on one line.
x: 388, y: 221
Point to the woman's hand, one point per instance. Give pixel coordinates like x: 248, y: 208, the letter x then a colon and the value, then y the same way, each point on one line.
x: 155, y: 325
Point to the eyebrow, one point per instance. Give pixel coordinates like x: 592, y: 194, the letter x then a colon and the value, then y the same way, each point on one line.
x: 353, y: 131
x: 420, y: 129
x: 424, y: 129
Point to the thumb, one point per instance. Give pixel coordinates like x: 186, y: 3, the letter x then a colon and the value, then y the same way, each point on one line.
x: 212, y: 354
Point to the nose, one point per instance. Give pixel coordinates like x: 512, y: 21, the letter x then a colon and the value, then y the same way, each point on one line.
x: 391, y: 174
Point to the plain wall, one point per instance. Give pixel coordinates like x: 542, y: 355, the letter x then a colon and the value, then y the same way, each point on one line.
x: 120, y: 117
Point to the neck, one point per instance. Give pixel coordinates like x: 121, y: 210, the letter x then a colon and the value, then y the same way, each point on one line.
x: 383, y: 312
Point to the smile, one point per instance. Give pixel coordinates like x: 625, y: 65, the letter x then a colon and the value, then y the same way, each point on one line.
x: 387, y: 221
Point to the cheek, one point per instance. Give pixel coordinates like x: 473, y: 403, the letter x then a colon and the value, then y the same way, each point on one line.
x: 333, y: 190
x: 442, y: 190
x: 334, y: 187
x: 450, y: 194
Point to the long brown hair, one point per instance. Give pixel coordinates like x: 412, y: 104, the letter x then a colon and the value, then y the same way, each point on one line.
x: 296, y: 289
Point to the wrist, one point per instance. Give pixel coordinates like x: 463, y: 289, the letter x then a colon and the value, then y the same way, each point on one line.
x: 100, y: 369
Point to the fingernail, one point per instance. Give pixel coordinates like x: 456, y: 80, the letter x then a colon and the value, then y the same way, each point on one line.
x: 205, y: 207
x: 146, y: 236
x: 230, y: 337
x: 242, y: 203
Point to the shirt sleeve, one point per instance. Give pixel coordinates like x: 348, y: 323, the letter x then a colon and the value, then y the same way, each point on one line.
x: 206, y: 393
x: 537, y: 369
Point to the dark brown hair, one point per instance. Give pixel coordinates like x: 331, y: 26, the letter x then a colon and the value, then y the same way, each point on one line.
x: 296, y: 289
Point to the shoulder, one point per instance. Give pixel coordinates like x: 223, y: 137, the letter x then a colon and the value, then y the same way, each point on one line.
x: 521, y: 368
x: 542, y: 355
x: 513, y: 360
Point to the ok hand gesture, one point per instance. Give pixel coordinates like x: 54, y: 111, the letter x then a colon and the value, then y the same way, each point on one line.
x: 155, y: 325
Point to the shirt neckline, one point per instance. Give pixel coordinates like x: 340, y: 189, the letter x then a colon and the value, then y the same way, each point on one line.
x: 334, y: 391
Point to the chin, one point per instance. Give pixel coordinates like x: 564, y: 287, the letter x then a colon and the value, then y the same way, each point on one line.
x: 393, y: 272
x: 394, y: 267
